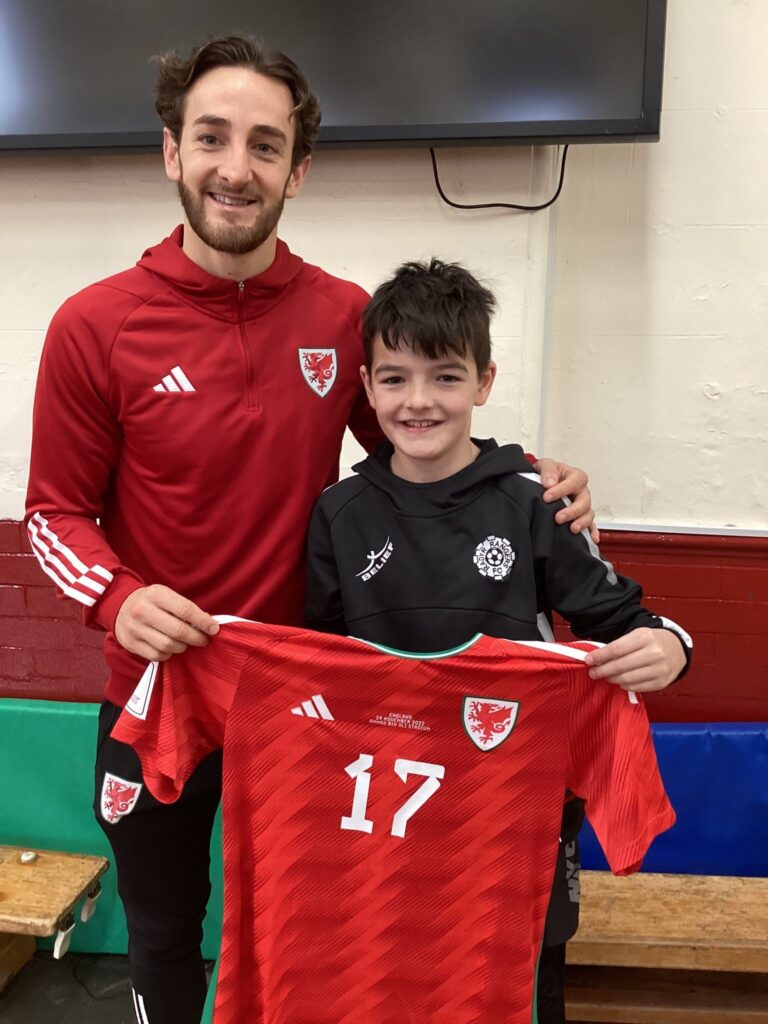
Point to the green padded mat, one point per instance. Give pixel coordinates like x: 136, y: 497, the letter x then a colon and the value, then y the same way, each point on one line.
x: 46, y: 793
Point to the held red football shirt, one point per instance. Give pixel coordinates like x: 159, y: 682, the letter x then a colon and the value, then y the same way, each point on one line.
x: 390, y: 820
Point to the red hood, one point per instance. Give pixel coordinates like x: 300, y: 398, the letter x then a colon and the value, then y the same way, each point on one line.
x: 218, y: 296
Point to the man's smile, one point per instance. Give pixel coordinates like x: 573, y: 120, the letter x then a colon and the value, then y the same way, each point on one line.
x: 225, y: 200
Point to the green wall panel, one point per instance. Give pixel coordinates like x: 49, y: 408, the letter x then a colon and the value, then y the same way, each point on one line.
x: 46, y: 793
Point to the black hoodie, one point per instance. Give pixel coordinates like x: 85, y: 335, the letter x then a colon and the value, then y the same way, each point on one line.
x: 424, y: 567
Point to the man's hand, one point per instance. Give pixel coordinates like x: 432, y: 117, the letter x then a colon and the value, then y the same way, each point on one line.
x: 562, y: 481
x: 643, y: 660
x: 155, y: 623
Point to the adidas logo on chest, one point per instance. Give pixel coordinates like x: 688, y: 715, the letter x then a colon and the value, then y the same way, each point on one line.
x: 175, y: 381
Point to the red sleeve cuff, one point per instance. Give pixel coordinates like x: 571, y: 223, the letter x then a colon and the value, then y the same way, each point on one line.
x: 104, y: 612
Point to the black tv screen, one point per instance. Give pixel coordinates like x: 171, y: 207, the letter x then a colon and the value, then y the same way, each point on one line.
x: 79, y: 73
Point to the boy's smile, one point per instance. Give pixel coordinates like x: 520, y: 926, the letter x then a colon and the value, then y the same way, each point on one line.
x: 424, y: 406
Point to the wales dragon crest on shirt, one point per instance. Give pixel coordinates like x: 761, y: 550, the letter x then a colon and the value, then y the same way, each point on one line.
x: 318, y: 365
x: 118, y: 797
x: 489, y: 721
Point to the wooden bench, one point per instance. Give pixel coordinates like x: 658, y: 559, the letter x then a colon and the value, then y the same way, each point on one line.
x: 39, y: 890
x: 672, y: 949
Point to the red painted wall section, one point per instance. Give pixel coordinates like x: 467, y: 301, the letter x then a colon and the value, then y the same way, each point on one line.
x: 45, y: 651
x: 715, y: 587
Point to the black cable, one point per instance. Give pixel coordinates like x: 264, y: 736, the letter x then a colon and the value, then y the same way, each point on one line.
x: 497, y: 206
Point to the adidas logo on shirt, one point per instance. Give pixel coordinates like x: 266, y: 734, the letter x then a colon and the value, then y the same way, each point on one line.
x: 176, y: 380
x: 315, y: 707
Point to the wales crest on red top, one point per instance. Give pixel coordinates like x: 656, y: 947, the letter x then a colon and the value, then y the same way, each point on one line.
x: 118, y: 797
x: 489, y: 721
x: 318, y: 365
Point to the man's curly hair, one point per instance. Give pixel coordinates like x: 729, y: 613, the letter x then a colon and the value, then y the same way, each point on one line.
x: 175, y: 77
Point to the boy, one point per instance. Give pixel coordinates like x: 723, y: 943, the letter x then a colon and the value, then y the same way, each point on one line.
x: 440, y: 536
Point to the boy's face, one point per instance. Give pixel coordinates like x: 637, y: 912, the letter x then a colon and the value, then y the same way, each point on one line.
x: 424, y: 406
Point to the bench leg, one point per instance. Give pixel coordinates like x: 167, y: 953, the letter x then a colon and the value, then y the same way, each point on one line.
x: 89, y: 907
x: 64, y: 934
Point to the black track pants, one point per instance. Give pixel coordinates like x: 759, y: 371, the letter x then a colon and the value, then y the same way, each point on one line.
x: 550, y: 988
x: 562, y: 918
x: 161, y: 854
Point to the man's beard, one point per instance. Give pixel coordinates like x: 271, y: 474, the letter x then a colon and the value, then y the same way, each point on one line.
x: 236, y: 239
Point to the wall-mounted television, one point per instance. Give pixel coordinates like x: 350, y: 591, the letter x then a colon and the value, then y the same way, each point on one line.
x: 79, y: 74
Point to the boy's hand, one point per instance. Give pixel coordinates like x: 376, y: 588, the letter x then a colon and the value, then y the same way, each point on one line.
x: 562, y: 481
x: 155, y: 623
x: 643, y: 660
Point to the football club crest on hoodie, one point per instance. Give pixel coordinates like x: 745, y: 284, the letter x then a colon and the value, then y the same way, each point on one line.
x: 494, y: 557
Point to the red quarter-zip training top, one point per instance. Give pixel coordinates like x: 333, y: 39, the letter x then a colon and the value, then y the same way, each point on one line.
x: 184, y: 426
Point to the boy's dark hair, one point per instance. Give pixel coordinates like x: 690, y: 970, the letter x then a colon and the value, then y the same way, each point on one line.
x: 435, y: 308
x: 175, y: 77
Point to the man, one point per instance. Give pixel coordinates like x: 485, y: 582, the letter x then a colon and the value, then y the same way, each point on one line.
x: 189, y: 412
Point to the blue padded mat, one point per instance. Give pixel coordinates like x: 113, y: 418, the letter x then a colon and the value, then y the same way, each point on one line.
x: 716, y: 775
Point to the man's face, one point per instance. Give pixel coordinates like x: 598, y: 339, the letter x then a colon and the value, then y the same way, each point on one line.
x: 232, y: 163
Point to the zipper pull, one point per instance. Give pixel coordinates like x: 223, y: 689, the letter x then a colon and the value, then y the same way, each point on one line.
x: 240, y: 291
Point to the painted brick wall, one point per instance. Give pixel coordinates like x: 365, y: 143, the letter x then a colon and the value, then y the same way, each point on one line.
x: 45, y: 651
x: 714, y: 586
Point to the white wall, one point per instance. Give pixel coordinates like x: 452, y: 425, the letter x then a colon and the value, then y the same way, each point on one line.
x: 658, y: 360
x: 70, y: 220
x: 642, y: 297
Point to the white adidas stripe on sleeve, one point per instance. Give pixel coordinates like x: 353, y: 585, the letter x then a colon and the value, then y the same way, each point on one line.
x: 62, y: 565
